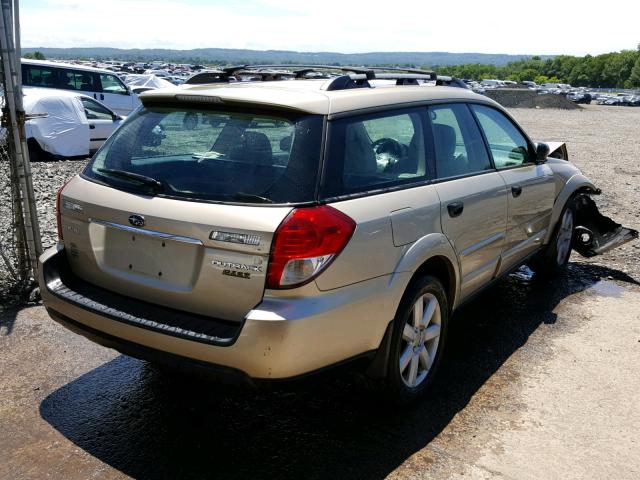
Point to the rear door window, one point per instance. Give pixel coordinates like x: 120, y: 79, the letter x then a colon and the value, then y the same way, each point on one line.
x: 508, y: 145
x: 459, y: 147
x: 38, y: 76
x: 375, y: 152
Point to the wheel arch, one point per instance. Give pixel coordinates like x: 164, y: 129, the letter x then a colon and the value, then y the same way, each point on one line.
x: 576, y: 184
x: 431, y: 255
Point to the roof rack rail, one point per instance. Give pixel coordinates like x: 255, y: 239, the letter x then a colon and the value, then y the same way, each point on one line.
x: 342, y: 76
x: 370, y: 72
x: 447, y: 81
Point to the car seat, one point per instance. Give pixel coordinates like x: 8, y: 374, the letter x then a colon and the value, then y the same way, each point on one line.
x: 359, y: 157
x: 413, y: 161
x: 444, y: 137
x: 253, y: 147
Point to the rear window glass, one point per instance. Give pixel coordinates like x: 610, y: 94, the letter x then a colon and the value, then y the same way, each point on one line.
x: 229, y: 156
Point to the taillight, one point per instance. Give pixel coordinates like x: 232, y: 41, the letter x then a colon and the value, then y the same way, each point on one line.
x: 59, y: 209
x: 305, y: 243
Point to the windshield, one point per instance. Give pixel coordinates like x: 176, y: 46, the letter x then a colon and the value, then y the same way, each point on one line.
x: 229, y: 156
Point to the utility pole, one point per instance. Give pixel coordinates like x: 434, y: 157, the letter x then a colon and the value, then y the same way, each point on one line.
x: 29, y: 245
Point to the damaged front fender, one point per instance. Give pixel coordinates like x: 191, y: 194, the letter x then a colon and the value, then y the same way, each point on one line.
x: 594, y: 233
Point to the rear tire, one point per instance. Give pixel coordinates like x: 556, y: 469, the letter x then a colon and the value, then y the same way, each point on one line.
x: 554, y: 258
x: 418, y: 339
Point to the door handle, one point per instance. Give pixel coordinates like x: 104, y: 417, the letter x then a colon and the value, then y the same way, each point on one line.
x: 516, y: 190
x: 455, y: 209
x: 92, y: 127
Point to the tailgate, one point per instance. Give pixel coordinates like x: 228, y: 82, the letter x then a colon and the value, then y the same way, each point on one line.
x: 205, y: 258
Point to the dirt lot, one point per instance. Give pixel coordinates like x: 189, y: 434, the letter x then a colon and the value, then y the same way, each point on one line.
x: 540, y: 380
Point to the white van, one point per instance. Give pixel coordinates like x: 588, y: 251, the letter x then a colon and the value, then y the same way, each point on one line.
x: 102, y: 85
x: 491, y: 83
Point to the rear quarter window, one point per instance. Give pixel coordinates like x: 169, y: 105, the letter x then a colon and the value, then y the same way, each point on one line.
x: 39, y: 76
x: 374, y: 152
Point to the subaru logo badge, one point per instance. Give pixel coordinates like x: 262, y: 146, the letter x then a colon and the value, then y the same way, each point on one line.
x: 136, y: 220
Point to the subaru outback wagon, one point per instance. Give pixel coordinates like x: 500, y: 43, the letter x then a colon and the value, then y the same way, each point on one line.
x: 268, y: 230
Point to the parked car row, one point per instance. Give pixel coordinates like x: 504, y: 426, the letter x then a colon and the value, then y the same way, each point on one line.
x: 93, y: 101
x: 620, y: 99
x: 575, y: 94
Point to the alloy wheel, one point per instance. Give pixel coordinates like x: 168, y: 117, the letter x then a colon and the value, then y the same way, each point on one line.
x: 420, y: 340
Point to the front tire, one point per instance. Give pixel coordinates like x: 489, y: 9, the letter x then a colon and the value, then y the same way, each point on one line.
x: 418, y: 339
x: 555, y: 257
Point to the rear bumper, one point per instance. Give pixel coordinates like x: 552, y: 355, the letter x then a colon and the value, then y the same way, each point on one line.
x: 281, y: 338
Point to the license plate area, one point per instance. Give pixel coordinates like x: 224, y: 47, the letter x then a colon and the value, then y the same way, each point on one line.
x: 137, y: 255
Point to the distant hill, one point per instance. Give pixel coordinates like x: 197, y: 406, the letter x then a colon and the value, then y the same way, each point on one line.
x: 239, y: 56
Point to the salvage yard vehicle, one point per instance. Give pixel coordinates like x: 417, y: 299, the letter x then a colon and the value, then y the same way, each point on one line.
x: 99, y: 84
x: 303, y: 224
x: 579, y: 97
x: 65, y: 124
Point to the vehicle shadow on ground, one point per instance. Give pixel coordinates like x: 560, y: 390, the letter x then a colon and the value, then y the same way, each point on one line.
x: 149, y: 425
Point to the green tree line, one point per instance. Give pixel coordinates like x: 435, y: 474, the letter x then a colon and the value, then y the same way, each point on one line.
x: 35, y: 55
x: 609, y: 70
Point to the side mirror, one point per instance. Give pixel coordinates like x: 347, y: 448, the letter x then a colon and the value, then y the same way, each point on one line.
x: 542, y: 152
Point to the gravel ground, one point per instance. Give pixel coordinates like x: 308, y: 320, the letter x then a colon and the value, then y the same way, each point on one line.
x: 602, y: 141
x: 48, y: 177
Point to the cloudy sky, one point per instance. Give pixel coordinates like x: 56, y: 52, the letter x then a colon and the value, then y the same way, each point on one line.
x: 487, y: 26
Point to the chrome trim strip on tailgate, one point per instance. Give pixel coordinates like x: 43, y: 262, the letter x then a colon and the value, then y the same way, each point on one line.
x: 150, y: 233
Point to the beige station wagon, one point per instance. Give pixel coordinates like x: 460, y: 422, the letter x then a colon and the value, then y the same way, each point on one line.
x: 265, y: 230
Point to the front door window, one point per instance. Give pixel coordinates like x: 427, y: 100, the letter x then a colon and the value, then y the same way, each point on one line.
x: 508, y: 146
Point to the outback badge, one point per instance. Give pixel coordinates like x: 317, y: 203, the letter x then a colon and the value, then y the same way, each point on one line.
x: 238, y: 270
x: 136, y: 220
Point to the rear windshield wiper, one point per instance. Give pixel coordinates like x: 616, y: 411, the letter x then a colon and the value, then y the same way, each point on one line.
x: 150, y: 181
x: 240, y: 196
